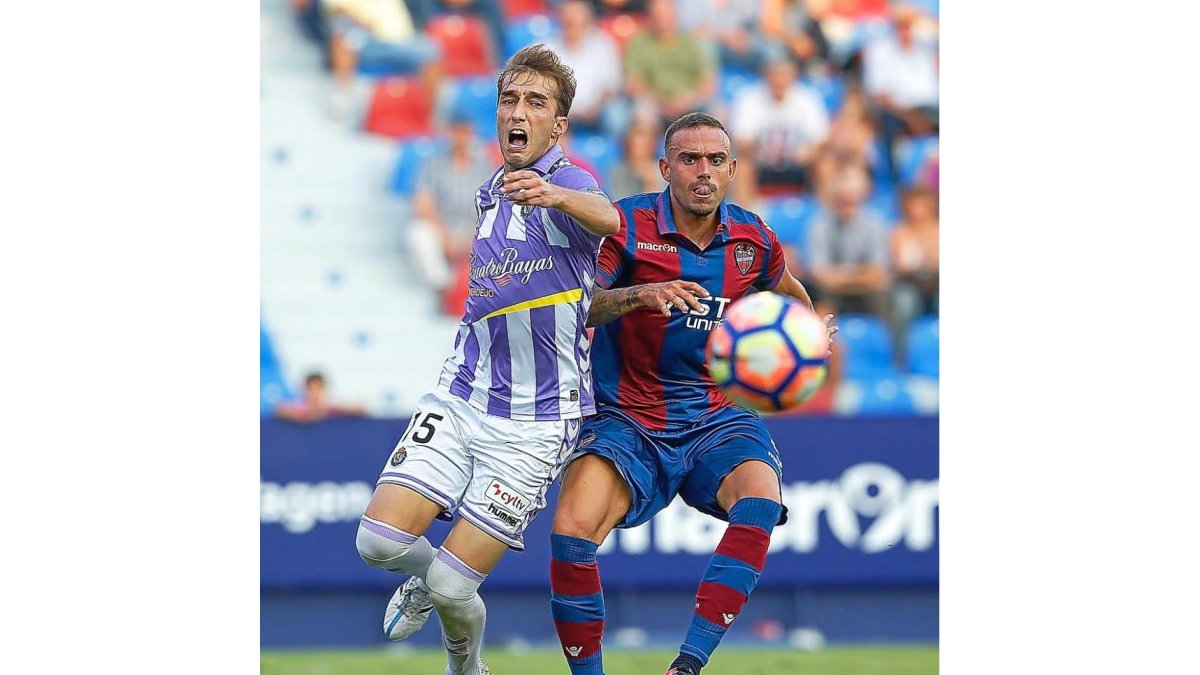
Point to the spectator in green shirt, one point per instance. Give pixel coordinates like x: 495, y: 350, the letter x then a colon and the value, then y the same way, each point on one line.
x: 668, y: 71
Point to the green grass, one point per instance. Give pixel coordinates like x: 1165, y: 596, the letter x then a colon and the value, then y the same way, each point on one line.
x: 841, y: 661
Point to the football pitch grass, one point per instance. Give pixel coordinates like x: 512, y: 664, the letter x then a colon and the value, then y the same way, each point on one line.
x: 917, y: 660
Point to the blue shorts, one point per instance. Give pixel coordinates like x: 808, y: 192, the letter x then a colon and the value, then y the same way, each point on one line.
x: 690, y: 461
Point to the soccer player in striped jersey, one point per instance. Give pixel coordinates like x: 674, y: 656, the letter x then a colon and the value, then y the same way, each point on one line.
x: 488, y: 441
x: 662, y: 426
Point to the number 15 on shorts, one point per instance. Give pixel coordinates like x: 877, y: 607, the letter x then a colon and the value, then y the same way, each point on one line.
x: 422, y: 427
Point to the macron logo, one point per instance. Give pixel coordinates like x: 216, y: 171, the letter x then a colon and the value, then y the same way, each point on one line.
x: 574, y: 651
x: 728, y: 618
x: 647, y: 246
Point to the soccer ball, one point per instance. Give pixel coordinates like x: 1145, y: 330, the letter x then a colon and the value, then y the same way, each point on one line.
x: 768, y: 353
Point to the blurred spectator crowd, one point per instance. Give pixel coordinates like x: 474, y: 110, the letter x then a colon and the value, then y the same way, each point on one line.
x: 832, y: 107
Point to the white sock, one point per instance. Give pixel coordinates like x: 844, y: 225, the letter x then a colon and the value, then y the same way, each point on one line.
x: 453, y: 586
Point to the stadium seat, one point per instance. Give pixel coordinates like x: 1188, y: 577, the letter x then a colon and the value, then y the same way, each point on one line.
x: 465, y: 44
x: 857, y: 9
x: 868, y: 346
x: 476, y: 97
x: 928, y: 7
x: 375, y: 66
x: 922, y: 357
x: 622, y: 27
x: 527, y: 31
x: 598, y: 150
x: 885, y: 204
x: 789, y: 217
x: 832, y: 91
x: 515, y: 9
x: 413, y: 154
x: 734, y: 80
x: 924, y: 394
x: 878, y: 160
x: 885, y: 396
x: 400, y: 108
x: 273, y: 388
x: 911, y: 156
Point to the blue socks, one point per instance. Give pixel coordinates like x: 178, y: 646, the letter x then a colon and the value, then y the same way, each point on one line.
x: 730, y: 576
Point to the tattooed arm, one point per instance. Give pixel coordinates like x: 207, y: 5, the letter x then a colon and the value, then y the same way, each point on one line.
x: 611, y: 304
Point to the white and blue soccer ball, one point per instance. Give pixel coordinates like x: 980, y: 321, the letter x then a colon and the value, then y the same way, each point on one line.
x: 769, y: 353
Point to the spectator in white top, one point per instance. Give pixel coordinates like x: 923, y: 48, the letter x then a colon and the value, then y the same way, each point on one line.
x: 443, y: 224
x: 778, y: 128
x: 596, y: 60
x: 900, y: 74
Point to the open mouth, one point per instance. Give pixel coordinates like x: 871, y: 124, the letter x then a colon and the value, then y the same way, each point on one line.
x: 518, y: 139
x: 703, y: 190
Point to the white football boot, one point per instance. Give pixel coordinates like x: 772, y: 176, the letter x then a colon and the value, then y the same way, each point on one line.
x: 408, y: 610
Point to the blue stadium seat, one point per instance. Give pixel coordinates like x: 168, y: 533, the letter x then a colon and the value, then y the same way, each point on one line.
x: 868, y: 346
x: 911, y: 155
x: 273, y: 388
x: 885, y: 396
x: 923, y: 346
x: 929, y: 7
x: 789, y: 217
x: 476, y: 96
x: 413, y: 153
x: 599, y: 150
x: 520, y: 33
x: 844, y: 44
x: 734, y: 80
x: 879, y: 170
x: 377, y: 68
x: 832, y: 91
x: 266, y: 351
x: 885, y: 203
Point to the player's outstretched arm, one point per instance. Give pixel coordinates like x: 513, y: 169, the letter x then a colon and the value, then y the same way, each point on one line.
x: 594, y: 212
x: 611, y: 304
x: 791, y: 286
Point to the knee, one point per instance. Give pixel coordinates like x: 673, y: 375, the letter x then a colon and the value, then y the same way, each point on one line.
x: 593, y: 500
x: 750, y: 479
x: 376, y: 549
x: 452, y: 582
x: 571, y: 521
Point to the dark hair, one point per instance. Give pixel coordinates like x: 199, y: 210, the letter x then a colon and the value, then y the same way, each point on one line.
x: 690, y: 121
x: 541, y: 60
x: 314, y: 377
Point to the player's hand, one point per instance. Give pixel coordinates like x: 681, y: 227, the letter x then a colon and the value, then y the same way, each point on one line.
x: 529, y: 189
x: 830, y: 329
x: 679, y: 294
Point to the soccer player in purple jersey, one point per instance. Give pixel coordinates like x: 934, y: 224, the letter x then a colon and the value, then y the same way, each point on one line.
x: 489, y: 440
x: 662, y: 425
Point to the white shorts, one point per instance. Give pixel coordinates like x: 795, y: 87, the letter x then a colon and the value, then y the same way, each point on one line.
x: 495, y: 472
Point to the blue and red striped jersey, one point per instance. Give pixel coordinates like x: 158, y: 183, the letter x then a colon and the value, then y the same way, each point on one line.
x: 650, y: 366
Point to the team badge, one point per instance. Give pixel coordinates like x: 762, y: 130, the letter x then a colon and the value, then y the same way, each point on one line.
x: 399, y: 456
x: 588, y: 440
x: 743, y: 255
x: 526, y: 211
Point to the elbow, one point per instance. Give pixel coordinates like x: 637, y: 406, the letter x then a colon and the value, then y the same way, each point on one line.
x: 611, y: 224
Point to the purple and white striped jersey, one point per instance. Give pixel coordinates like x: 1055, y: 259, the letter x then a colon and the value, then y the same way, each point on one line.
x: 522, y: 347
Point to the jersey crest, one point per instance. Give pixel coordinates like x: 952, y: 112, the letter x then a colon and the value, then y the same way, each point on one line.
x: 743, y: 255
